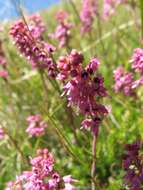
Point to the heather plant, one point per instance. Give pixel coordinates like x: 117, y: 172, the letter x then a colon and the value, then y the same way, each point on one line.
x: 71, y: 97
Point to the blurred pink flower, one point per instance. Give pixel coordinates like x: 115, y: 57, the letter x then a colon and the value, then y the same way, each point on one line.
x: 36, y: 26
x: 36, y: 125
x: 109, y: 7
x: 3, y: 74
x: 123, y: 81
x: 62, y: 31
x: 89, y: 10
x: 137, y: 60
x: 2, y: 133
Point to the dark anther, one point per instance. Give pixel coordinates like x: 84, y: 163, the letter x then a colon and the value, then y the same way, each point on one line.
x: 95, y: 119
x: 84, y: 74
x: 90, y: 71
x: 96, y: 83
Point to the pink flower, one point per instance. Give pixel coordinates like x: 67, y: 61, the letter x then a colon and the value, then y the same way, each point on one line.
x: 9, y: 185
x: 75, y: 58
x: 92, y: 124
x: 36, y: 125
x: 2, y: 60
x: 87, y: 123
x: 69, y: 186
x: 137, y: 83
x: 69, y: 182
x: 2, y: 133
x: 16, y: 185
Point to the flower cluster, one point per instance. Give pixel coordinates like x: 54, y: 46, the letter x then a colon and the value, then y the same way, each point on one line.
x: 29, y: 42
x: 124, y: 81
x: 109, y: 7
x: 42, y: 175
x: 62, y: 31
x: 3, y: 63
x: 89, y: 10
x: 83, y: 86
x: 36, y: 125
x: 133, y: 166
x: 69, y: 66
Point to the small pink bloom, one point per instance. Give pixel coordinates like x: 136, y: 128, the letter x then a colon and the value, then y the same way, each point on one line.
x: 87, y: 123
x: 137, y: 83
x: 93, y: 65
x: 36, y: 125
x: 69, y: 182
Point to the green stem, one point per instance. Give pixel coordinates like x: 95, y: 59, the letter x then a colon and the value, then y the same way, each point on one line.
x: 74, y: 8
x: 15, y: 144
x: 64, y: 141
x: 93, y: 167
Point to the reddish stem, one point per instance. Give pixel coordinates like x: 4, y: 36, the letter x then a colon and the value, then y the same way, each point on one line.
x: 93, y: 167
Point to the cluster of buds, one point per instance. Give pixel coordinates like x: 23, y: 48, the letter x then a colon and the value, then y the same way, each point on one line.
x: 42, y: 175
x: 83, y: 88
x: 28, y: 39
x: 133, y: 166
